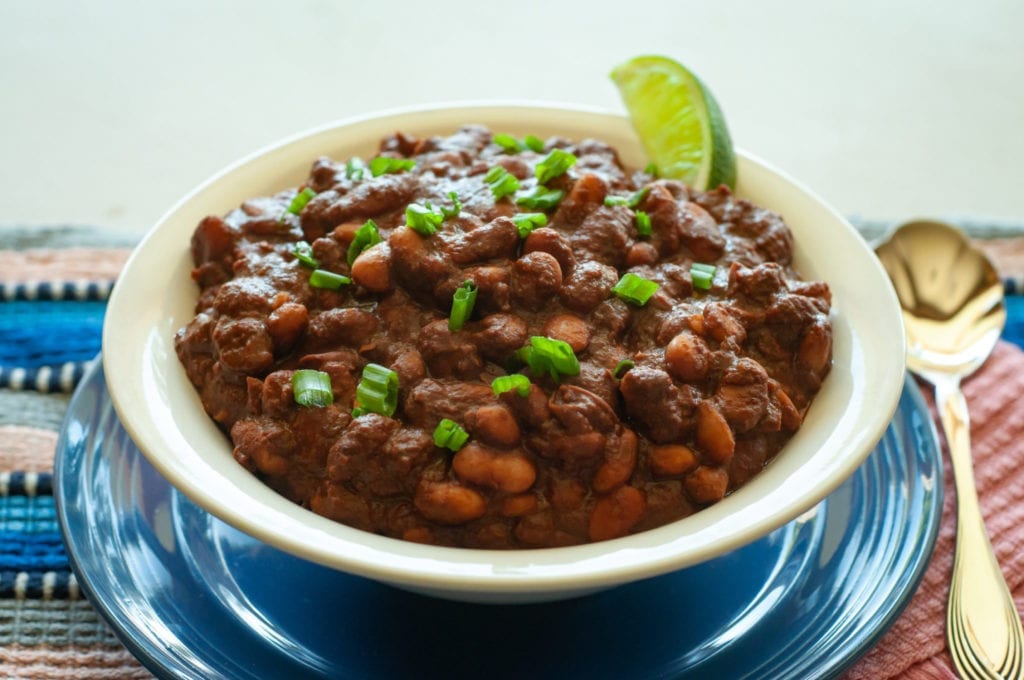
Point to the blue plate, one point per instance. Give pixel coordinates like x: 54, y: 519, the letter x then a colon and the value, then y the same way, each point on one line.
x: 192, y: 597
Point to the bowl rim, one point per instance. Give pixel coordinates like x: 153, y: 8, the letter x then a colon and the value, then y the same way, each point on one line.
x: 392, y: 560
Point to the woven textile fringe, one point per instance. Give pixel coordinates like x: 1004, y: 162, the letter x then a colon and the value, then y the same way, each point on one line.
x: 45, y: 379
x: 56, y: 290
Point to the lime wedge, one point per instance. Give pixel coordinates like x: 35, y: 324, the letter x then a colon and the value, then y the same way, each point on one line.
x: 678, y: 121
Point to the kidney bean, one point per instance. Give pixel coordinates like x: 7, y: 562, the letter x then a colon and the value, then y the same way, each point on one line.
x: 449, y: 503
x: 508, y: 471
x: 714, y: 437
x: 551, y: 242
x: 570, y: 329
x: 616, y: 513
x: 669, y: 460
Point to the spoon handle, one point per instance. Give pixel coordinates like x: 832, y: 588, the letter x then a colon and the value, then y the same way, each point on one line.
x: 982, y: 625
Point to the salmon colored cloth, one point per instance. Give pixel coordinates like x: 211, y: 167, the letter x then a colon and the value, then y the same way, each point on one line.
x: 915, y: 647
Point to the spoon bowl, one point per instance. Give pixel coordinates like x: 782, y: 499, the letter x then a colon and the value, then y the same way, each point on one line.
x: 954, y: 313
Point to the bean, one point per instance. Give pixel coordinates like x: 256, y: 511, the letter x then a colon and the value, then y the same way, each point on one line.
x: 372, y: 269
x: 791, y: 417
x: 286, y: 324
x: 815, y: 347
x: 641, y: 253
x: 577, y: 446
x: 687, y: 357
x: 567, y: 493
x: 669, y: 460
x: 496, y: 239
x: 449, y: 503
x: 500, y: 335
x: 519, y: 505
x: 619, y: 463
x: 707, y: 484
x: 494, y: 425
x: 243, y: 345
x: 570, y: 329
x: 511, y: 472
x: 536, y: 278
x: 551, y: 242
x: 616, y: 513
x: 714, y: 437
x: 346, y: 231
x: 722, y: 325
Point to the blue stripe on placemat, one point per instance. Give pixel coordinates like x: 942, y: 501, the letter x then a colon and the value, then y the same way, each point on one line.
x: 28, y: 515
x: 48, y: 333
x: 1014, y: 331
x: 32, y: 552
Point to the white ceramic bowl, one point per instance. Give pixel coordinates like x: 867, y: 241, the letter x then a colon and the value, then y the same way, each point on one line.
x: 161, y: 411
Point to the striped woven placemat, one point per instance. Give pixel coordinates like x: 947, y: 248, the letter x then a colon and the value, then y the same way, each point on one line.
x: 53, y: 289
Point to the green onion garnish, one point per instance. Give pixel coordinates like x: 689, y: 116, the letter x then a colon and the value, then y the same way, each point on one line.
x: 554, y: 165
x: 635, y: 289
x: 312, y: 388
x: 533, y: 143
x: 456, y: 206
x: 702, y: 275
x: 615, y: 200
x: 527, y: 222
x: 631, y: 201
x: 507, y: 142
x: 366, y: 236
x: 651, y: 169
x: 449, y: 435
x: 382, y: 165
x: 622, y: 367
x: 541, y: 198
x: 377, y: 391
x: 506, y: 383
x: 300, y: 200
x: 321, y: 278
x: 462, y: 305
x: 423, y: 219
x: 643, y: 223
x: 303, y: 252
x: 355, y: 168
x: 501, y: 181
x: 547, y: 355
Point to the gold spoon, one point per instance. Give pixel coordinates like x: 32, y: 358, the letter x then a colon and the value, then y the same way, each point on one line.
x: 953, y: 310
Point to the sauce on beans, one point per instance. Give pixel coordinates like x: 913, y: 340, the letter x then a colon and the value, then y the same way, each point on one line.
x: 714, y: 381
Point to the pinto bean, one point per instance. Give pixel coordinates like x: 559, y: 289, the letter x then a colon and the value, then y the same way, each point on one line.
x: 669, y: 460
x: 687, y: 357
x: 619, y: 463
x: 500, y: 335
x: 551, y: 242
x: 616, y: 513
x: 791, y: 416
x: 495, y: 425
x: 570, y: 329
x: 722, y: 325
x: 508, y: 471
x: 286, y: 324
x: 815, y: 347
x: 243, y: 345
x: 707, y: 484
x: 519, y: 505
x: 641, y: 253
x: 536, y: 278
x: 714, y: 437
x: 372, y: 269
x: 496, y: 239
x: 449, y: 503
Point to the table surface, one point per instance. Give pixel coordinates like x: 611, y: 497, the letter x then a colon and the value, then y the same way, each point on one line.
x: 112, y: 111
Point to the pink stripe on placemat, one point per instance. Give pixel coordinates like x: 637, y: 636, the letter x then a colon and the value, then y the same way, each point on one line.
x: 915, y: 647
x: 62, y: 264
x: 54, y: 663
x: 26, y: 449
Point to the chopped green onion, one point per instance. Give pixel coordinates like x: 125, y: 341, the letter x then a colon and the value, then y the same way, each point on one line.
x: 541, y: 198
x: 382, y: 165
x: 298, y: 203
x: 527, y: 222
x: 702, y: 275
x: 321, y: 278
x: 651, y: 169
x: 631, y: 201
x: 377, y: 391
x: 551, y: 356
x: 423, y: 219
x: 533, y: 143
x: 622, y: 367
x: 449, y: 435
x: 643, y: 223
x: 615, y: 200
x: 635, y: 289
x: 303, y: 252
x: 355, y: 168
x: 312, y: 388
x: 366, y: 236
x: 501, y: 181
x: 554, y: 165
x: 507, y: 142
x: 506, y: 383
x: 462, y: 305
x: 456, y: 206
